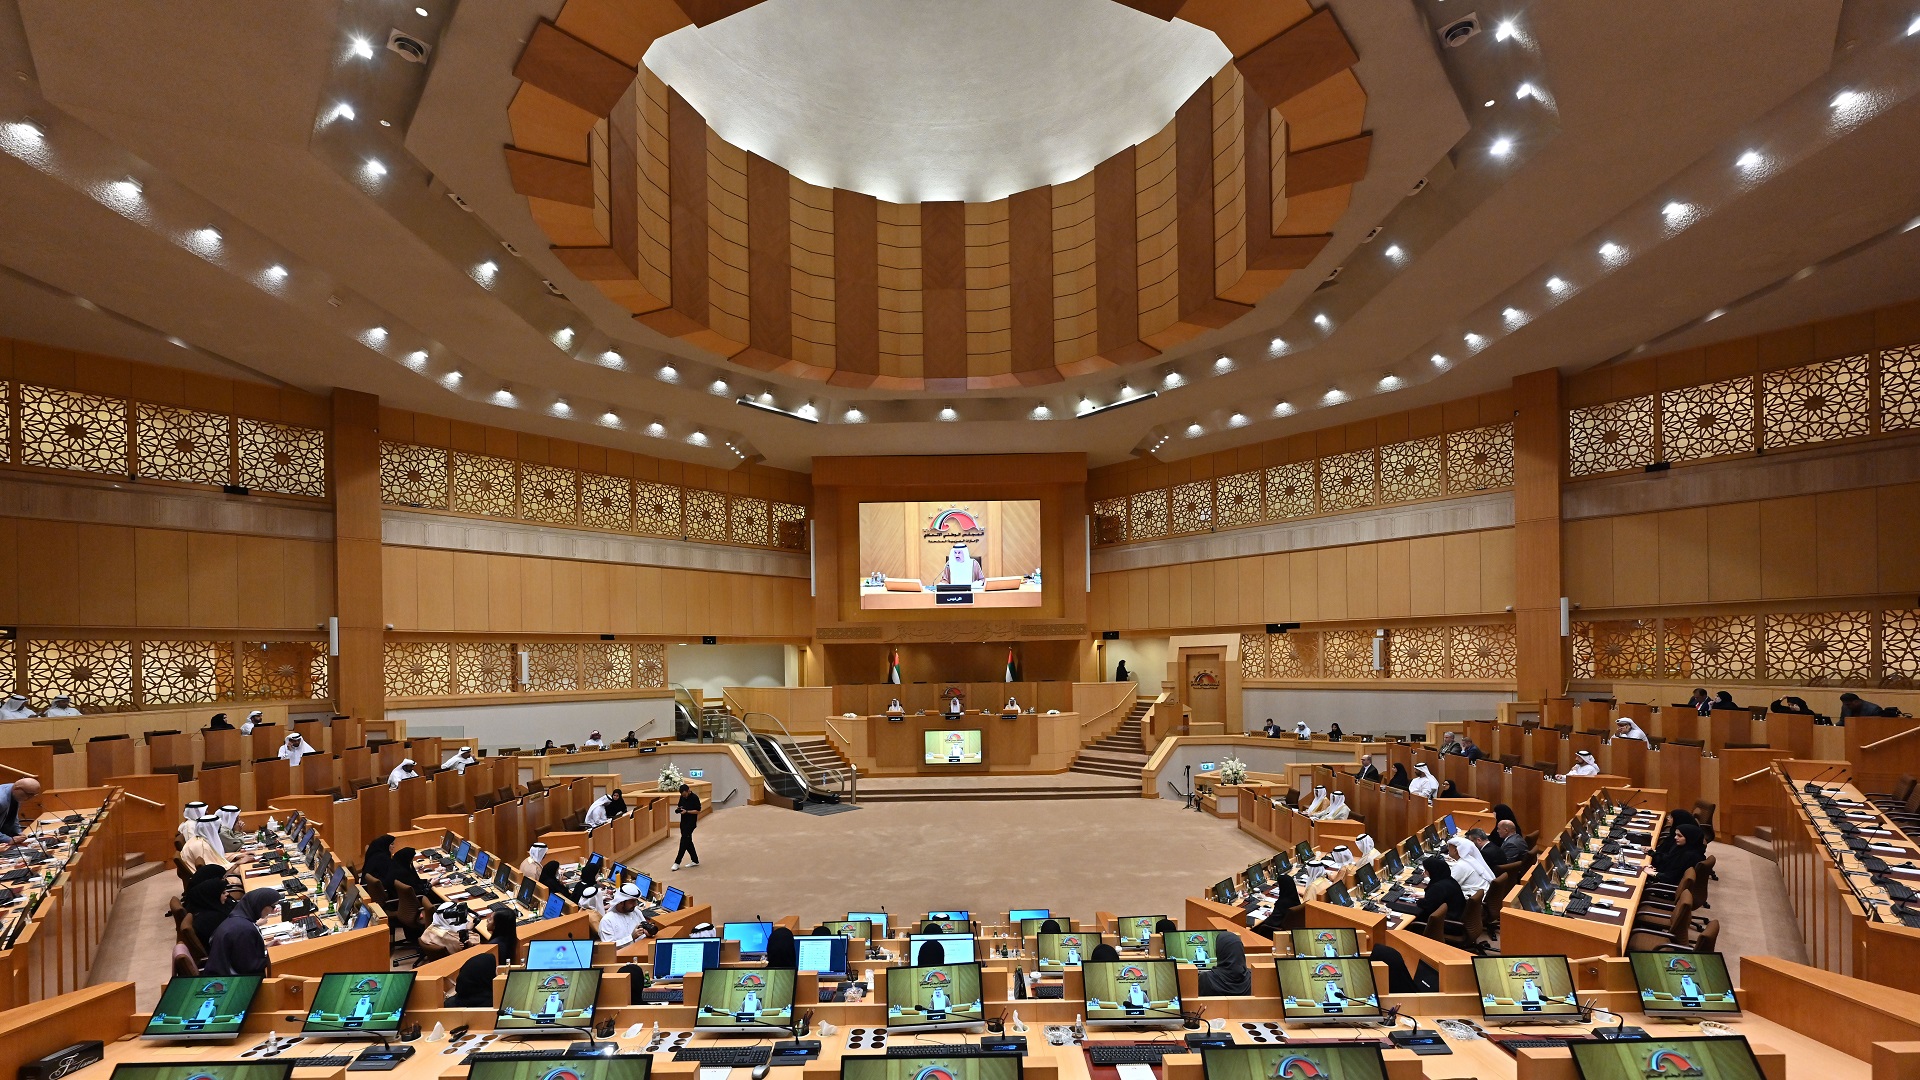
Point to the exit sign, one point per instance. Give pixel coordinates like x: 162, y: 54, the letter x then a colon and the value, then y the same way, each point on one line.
x: 695, y: 774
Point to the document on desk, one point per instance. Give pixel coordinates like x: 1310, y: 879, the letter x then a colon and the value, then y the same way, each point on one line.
x: 1136, y: 1072
x: 714, y: 1072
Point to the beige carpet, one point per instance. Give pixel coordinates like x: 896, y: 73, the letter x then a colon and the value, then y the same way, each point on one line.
x: 1750, y: 900
x: 1127, y: 856
x: 138, y: 944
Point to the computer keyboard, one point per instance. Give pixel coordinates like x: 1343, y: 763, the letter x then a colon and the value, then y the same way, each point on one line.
x: 1126, y: 1055
x: 517, y: 1055
x: 933, y: 1050
x: 325, y: 1061
x: 663, y: 996
x: 1514, y: 1046
x: 737, y: 1057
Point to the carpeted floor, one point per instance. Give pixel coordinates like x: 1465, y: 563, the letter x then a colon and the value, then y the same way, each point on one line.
x: 138, y: 944
x: 1750, y: 900
x: 1134, y: 857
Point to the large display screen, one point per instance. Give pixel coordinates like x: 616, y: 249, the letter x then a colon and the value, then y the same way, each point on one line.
x: 1322, y: 1061
x: 1131, y: 990
x: 949, y: 747
x: 925, y: 555
x: 937, y: 995
x: 1517, y: 986
x: 1679, y: 984
x: 624, y: 1067
x: 746, y: 999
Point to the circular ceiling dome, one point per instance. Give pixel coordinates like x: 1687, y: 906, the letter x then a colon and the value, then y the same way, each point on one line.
x: 931, y: 100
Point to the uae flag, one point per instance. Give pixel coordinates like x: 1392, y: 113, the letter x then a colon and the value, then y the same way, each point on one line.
x: 1011, y: 675
x: 893, y: 667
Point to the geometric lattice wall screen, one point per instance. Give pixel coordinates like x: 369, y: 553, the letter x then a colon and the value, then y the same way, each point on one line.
x: 156, y: 673
x: 1811, y: 648
x: 439, y: 668
x: 1431, y: 653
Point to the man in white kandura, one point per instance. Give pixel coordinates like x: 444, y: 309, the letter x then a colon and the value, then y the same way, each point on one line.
x: 623, y: 921
x: 1583, y: 764
x: 62, y: 705
x: 961, y: 568
x: 15, y: 708
x: 536, y: 858
x: 1469, y: 867
x: 594, y: 741
x: 294, y: 748
x: 459, y: 760
x: 1364, y: 845
x: 1624, y: 728
x: 252, y: 721
x: 227, y: 821
x: 605, y: 809
x: 1423, y: 785
x: 1318, y: 803
x: 1335, y: 810
x: 1341, y: 857
x: 403, y: 771
x: 1301, y: 730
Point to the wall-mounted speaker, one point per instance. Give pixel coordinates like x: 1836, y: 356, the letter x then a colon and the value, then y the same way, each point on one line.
x: 1109, y: 635
x: 709, y: 639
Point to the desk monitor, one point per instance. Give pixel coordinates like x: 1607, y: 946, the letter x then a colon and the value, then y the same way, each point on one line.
x: 614, y: 1067
x: 1326, y: 941
x: 1448, y: 827
x: 935, y: 997
x: 559, y: 954
x: 672, y: 899
x: 1391, y: 857
x: 746, y: 1001
x: 1137, y: 930
x: 527, y: 887
x: 482, y: 862
x: 556, y: 907
x: 852, y: 928
x: 1021, y: 914
x: 1727, y: 1057
x: 1132, y: 993
x: 955, y: 915
x: 673, y: 958
x: 447, y: 841
x: 1201, y: 948
x: 1412, y: 848
x: 502, y: 874
x: 1057, y: 952
x: 825, y: 954
x: 752, y: 937
x: 547, y: 999
x: 1328, y: 990
x: 877, y: 918
x: 948, y: 926
x: 1030, y: 927
x: 1321, y: 1061
x: 1684, y: 985
x: 1432, y: 835
x: 1256, y: 875
x: 1303, y: 852
x: 363, y: 918
x: 463, y: 851
x: 958, y: 947
x: 1337, y: 894
x: 206, y: 1070
x: 1280, y: 865
x: 1223, y: 891
x: 1365, y: 878
x: 954, y: 747
x: 202, y: 1007
x: 643, y: 883
x: 879, y: 1067
x: 351, y: 1002
x: 1536, y: 989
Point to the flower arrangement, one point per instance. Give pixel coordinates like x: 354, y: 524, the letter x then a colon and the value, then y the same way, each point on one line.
x: 670, y: 778
x: 1233, y: 771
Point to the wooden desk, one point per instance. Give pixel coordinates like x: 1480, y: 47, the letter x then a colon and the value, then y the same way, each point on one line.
x: 54, y: 942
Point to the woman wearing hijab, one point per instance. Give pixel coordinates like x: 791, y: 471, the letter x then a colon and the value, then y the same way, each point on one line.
x: 1689, y: 847
x: 1442, y: 892
x: 209, y: 897
x: 1399, y: 779
x: 931, y: 952
x: 689, y: 806
x: 550, y: 877
x: 1503, y: 812
x: 237, y: 947
x: 1468, y: 867
x: 1229, y: 976
x: 1104, y: 953
x: 379, y: 860
x: 1334, y: 733
x: 1448, y: 791
x: 473, y: 987
x: 504, y: 931
x: 1166, y: 926
x: 405, y: 874
x: 1723, y: 702
x: 782, y: 952
x: 1051, y: 926
x: 1398, y: 980
x: 1674, y: 820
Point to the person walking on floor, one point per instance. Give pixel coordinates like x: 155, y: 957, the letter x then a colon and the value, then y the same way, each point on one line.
x: 689, y: 819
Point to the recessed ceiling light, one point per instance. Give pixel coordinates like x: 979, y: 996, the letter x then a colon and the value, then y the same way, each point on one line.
x: 1194, y: 431
x: 1322, y: 321
x: 454, y: 376
x: 1513, y: 315
x: 1557, y: 285
x: 486, y: 270
x: 171, y: 340
x: 698, y: 438
x: 207, y: 234
x: 1526, y: 90
x: 613, y: 359
x: 719, y: 387
x: 656, y: 430
x: 1395, y: 252
x: 1473, y: 341
x: 1085, y: 404
x: 377, y: 334
x: 1501, y: 147
x: 1126, y: 389
x: 361, y: 48
x: 503, y: 392
x: 609, y: 417
x: 1913, y: 27
x: 853, y: 415
x: 1750, y: 160
x: 668, y: 373
x: 947, y: 413
x: 374, y: 168
x: 126, y: 189
x: 1172, y: 380
x: 276, y: 272
x: 416, y: 358
x: 766, y: 397
x: 1714, y: 314
x: 1438, y: 360
x: 342, y: 111
x: 1487, y: 104
x: 420, y: 11
x: 1224, y: 364
x: 25, y: 131
x: 1505, y: 30
x: 1611, y: 251
x: 1237, y: 420
x: 1277, y: 346
x: 1333, y: 394
x: 1041, y: 412
x: 386, y: 123
x: 1284, y: 408
x: 1847, y: 99
x: 562, y: 407
x: 1674, y: 210
x: 1390, y: 380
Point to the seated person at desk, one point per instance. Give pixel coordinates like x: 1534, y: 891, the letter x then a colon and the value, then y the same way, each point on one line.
x: 1229, y: 976
x: 1399, y: 779
x: 536, y: 858
x: 1301, y: 730
x: 961, y: 568
x: 623, y: 922
x: 1513, y: 846
x: 1700, y: 702
x: 1441, y: 891
x: 1468, y: 866
x: 219, y: 723
x: 593, y: 901
x: 1689, y: 847
x: 1335, y: 810
x: 894, y: 708
x: 1318, y: 803
x: 1625, y: 728
x: 237, y: 947
x: 1448, y: 791
x: 1423, y: 785
x: 606, y: 808
x: 62, y: 705
x: 401, y: 772
x: 1011, y: 706
x: 11, y: 797
x: 1334, y: 732
x: 1583, y: 764
x: 404, y: 873
x: 1855, y: 705
x: 594, y: 741
x: 1450, y: 743
x: 1723, y: 702
x: 294, y: 749
x: 459, y: 760
x: 1368, y: 770
x: 954, y: 708
x: 252, y: 721
x: 1470, y: 749
x: 209, y: 897
x: 473, y: 987
x: 15, y: 708
x: 1791, y: 705
x: 227, y: 824
x: 1272, y: 730
x: 452, y: 929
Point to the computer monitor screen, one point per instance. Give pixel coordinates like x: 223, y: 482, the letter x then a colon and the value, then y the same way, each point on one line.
x: 206, y: 1070
x: 1337, y: 894
x: 853, y: 928
x: 202, y: 1007
x: 1392, y: 858
x: 1223, y: 891
x: 875, y: 1067
x: 1447, y: 827
x: 1060, y: 951
x: 752, y: 936
x: 482, y: 862
x: 333, y: 882
x: 1137, y: 930
x: 1365, y: 878
x: 1303, y: 852
x: 1021, y: 914
x: 1412, y: 849
x: 536, y: 999
x: 935, y: 996
x: 958, y: 947
x: 617, y: 1067
x: 1122, y: 992
x: 1321, y: 989
x: 823, y: 953
x: 877, y: 918
x: 596, y: 860
x: 1197, y: 947
x: 503, y: 874
x: 462, y: 851
x: 1256, y: 875
x: 1727, y: 1057
x: 1280, y: 864
x: 1321, y: 1061
x: 448, y: 840
x: 1030, y: 927
x: 1326, y: 941
x: 1431, y: 834
x: 951, y: 915
x: 673, y: 899
x: 559, y: 954
x: 347, y: 1002
x: 947, y: 926
x: 1684, y: 984
x: 674, y: 957
x: 755, y: 1001
x: 363, y: 918
x: 556, y: 906
x: 954, y: 747
x: 1534, y: 987
x: 643, y: 883
x: 527, y: 886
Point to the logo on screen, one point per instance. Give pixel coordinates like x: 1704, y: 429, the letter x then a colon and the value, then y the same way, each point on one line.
x: 956, y: 740
x: 953, y: 524
x: 1327, y: 937
x: 1326, y: 970
x: 556, y: 981
x: 1671, y: 1063
x: 1071, y: 941
x: 1196, y: 939
x: 562, y: 1073
x: 1133, y: 973
x: 1524, y: 970
x: 1298, y: 1065
x: 212, y: 989
x: 748, y: 980
x: 368, y: 985
x: 1682, y: 965
x: 934, y: 1072
x: 936, y: 977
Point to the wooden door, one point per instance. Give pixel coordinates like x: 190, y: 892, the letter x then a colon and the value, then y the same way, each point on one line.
x: 1204, y: 682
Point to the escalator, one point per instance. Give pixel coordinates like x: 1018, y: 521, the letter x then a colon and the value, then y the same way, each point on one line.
x: 787, y: 783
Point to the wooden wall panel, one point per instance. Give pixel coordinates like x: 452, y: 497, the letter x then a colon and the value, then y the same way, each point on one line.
x: 943, y: 240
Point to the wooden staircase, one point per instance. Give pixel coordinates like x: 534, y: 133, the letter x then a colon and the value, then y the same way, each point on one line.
x: 1760, y: 843
x: 1121, y: 754
x: 816, y: 756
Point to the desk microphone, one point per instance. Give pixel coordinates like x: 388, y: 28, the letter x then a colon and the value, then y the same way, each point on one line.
x: 73, y: 816
x: 1813, y: 787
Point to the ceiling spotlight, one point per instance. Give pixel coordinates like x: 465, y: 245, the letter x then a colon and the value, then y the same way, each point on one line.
x: 126, y: 189
x: 1714, y: 314
x: 1085, y: 404
x: 485, y: 271
x: 1557, y: 285
x: 1487, y: 104
x: 563, y: 337
x: 171, y: 340
x: 806, y: 411
x: 415, y: 359
x: 766, y: 397
x: 342, y: 111
x: 503, y: 394
x: 1527, y: 90
x: 698, y: 438
x: 1913, y: 27
x: 1750, y: 160
x: 1222, y: 365
x: 1041, y: 412
x: 1501, y: 147
x: 668, y: 373
x: 1277, y: 346
x: 1611, y: 251
x: 1390, y: 380
x: 1474, y: 341
x: 374, y: 168
x: 454, y: 376
x: 1333, y: 394
x: 207, y: 234
x: 276, y: 272
x: 1194, y: 431
x: 1172, y: 380
x: 855, y: 416
x: 1322, y: 321
x: 1237, y: 420
x: 361, y: 48
x: 420, y: 11
x: 562, y: 407
x: 947, y: 413
x: 1395, y: 252
x: 719, y: 387
x: 610, y: 417
x: 1504, y: 31
x: 379, y: 334
x: 613, y: 359
x: 656, y: 430
x: 1673, y: 211
x: 1846, y: 99
x: 1438, y: 360
x: 25, y: 131
x: 1513, y: 315
x: 1284, y: 408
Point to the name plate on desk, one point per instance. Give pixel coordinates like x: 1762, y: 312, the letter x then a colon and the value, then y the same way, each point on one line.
x: 953, y: 597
